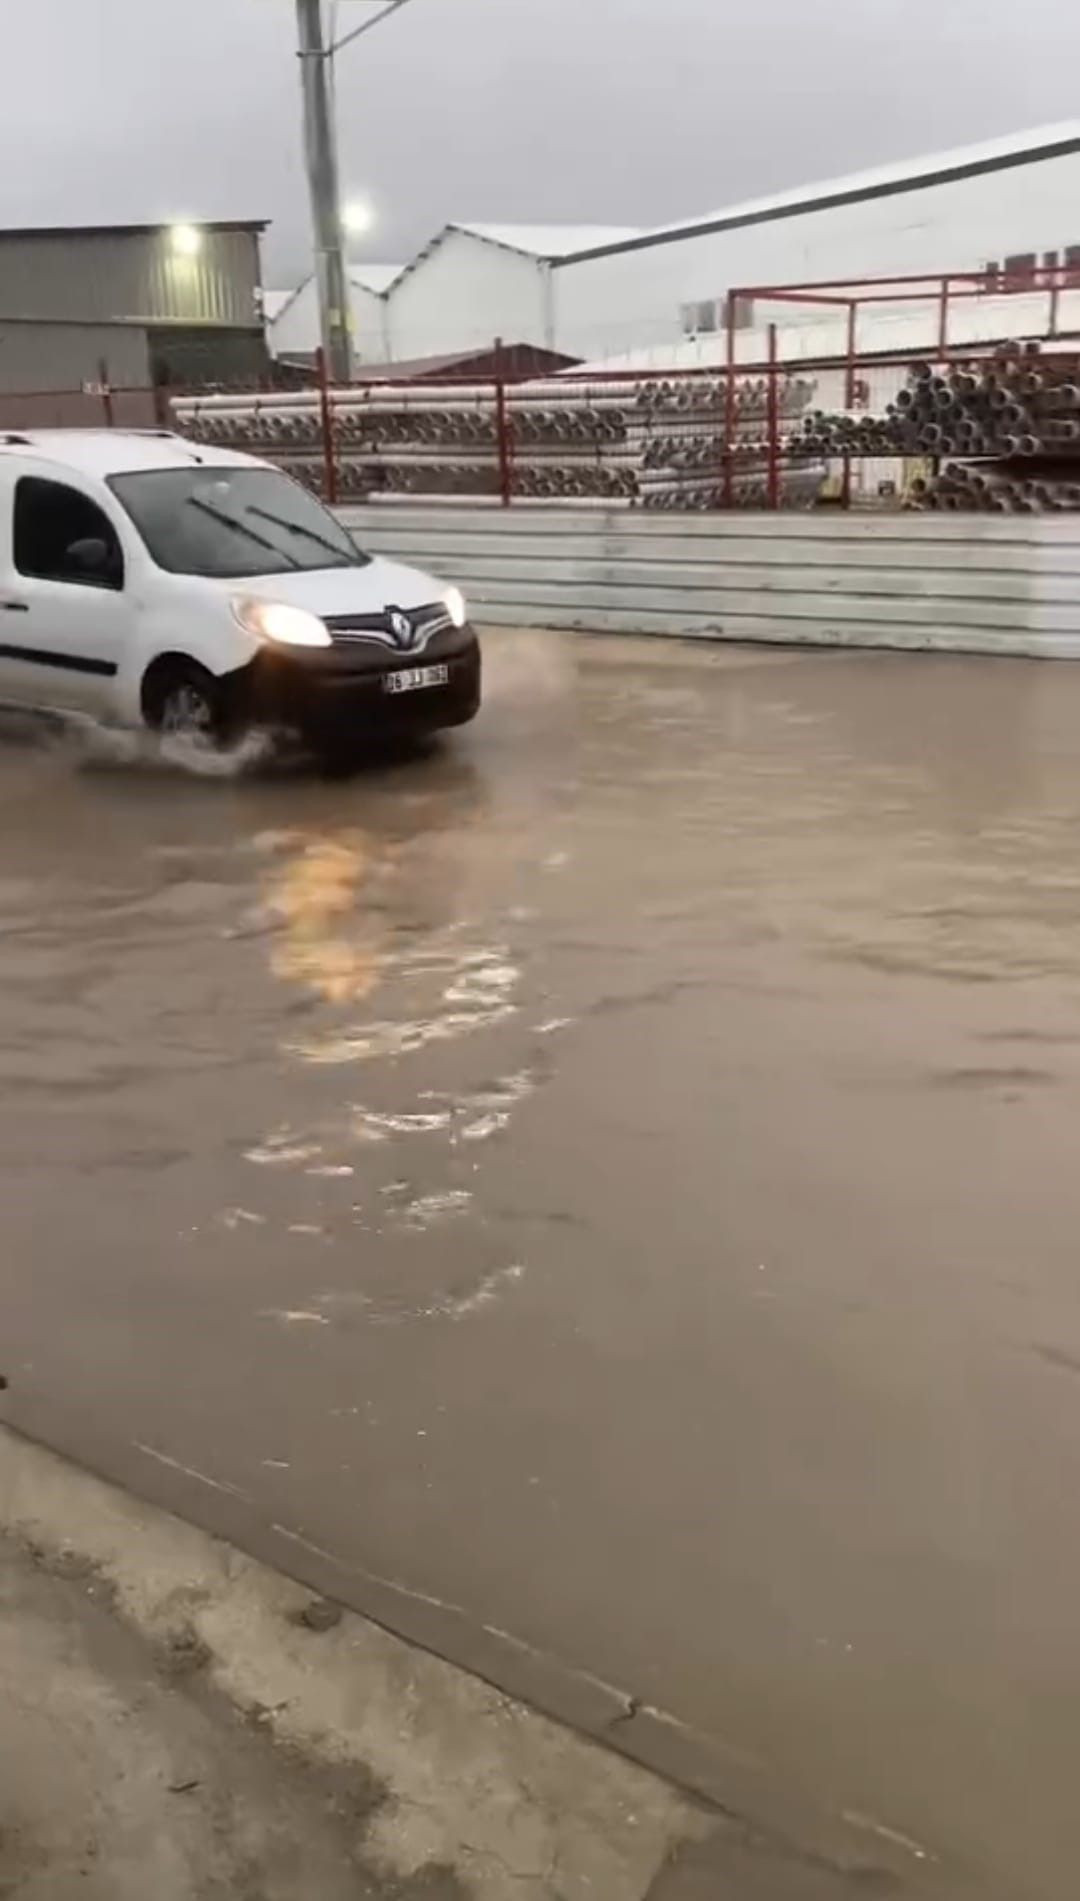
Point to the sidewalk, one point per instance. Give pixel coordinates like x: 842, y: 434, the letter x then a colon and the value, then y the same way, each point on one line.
x: 182, y: 1722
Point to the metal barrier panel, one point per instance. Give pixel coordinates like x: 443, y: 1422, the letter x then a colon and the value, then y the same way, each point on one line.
x: 952, y: 583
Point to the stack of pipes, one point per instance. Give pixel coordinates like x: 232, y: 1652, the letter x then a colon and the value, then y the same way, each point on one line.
x: 998, y: 489
x: 1012, y: 421
x: 799, y: 486
x: 653, y: 441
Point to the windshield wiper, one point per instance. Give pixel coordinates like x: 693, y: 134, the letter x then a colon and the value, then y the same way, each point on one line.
x: 300, y: 528
x: 230, y: 521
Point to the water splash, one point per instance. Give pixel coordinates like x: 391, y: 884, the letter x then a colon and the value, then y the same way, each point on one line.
x: 98, y: 747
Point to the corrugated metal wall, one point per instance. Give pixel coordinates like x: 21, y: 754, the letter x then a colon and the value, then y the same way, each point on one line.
x: 103, y: 276
x: 60, y: 358
x: 977, y: 584
x: 30, y: 354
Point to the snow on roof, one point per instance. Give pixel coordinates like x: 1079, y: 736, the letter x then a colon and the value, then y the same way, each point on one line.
x: 372, y: 280
x: 550, y: 240
x: 373, y: 277
x: 963, y: 161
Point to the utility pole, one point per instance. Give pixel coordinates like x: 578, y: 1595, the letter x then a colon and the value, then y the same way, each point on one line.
x: 321, y: 149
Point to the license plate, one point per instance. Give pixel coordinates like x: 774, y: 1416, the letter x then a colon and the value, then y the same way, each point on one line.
x: 407, y: 679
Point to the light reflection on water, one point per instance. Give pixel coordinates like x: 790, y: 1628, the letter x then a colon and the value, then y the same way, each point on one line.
x: 313, y: 892
x: 383, y: 916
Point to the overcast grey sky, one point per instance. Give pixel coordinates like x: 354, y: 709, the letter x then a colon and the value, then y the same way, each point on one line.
x: 629, y: 111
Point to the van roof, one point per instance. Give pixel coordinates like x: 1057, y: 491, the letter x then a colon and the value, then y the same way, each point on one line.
x: 104, y: 452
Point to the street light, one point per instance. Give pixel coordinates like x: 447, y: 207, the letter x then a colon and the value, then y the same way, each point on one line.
x: 357, y: 217
x: 316, y: 56
x: 185, y: 240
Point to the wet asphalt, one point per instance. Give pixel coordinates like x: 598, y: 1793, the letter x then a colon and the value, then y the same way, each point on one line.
x: 607, y: 1191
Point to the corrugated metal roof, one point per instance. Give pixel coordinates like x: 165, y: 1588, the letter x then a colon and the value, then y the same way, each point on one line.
x: 550, y: 240
x: 965, y: 161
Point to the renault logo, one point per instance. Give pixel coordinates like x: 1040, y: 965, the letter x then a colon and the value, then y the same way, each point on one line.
x: 400, y: 626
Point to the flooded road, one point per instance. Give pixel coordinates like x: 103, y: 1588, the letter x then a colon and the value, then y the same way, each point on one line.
x: 605, y: 1197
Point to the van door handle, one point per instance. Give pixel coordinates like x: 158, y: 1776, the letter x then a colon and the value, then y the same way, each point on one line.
x: 14, y: 607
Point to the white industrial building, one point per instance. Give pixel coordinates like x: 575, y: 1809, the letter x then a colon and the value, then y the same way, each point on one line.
x: 470, y: 284
x: 293, y: 317
x: 1008, y: 205
x: 474, y: 282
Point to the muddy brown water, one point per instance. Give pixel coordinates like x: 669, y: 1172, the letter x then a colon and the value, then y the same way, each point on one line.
x: 612, y: 1185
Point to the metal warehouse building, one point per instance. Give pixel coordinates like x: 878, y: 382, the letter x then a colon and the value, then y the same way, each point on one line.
x: 134, y: 306
x: 1005, y: 206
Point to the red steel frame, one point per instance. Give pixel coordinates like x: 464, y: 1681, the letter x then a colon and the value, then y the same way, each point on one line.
x: 326, y: 418
x: 502, y: 430
x: 772, y: 425
x: 942, y: 288
x: 851, y: 294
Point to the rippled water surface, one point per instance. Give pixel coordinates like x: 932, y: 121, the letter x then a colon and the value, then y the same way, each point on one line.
x: 608, y: 1184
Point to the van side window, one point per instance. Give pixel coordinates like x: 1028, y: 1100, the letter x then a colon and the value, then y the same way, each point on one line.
x: 61, y: 535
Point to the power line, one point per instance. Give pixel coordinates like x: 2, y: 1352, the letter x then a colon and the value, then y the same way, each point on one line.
x: 392, y: 6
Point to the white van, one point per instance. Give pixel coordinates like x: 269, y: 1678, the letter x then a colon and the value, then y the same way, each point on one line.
x: 153, y: 581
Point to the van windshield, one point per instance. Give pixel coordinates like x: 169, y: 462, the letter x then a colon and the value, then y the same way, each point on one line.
x: 233, y: 522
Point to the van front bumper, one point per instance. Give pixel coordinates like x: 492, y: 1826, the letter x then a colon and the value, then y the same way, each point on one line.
x: 332, y: 695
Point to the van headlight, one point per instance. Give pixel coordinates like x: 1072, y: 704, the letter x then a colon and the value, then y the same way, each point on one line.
x: 454, y: 603
x: 286, y: 626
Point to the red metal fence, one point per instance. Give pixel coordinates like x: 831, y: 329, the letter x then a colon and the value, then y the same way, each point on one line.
x: 735, y: 433
x: 700, y: 439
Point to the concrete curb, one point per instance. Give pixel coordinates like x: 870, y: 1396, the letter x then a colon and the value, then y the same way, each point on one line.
x: 714, y: 1778
x: 473, y: 1781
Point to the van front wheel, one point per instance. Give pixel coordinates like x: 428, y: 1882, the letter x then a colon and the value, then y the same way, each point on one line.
x: 182, y: 699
